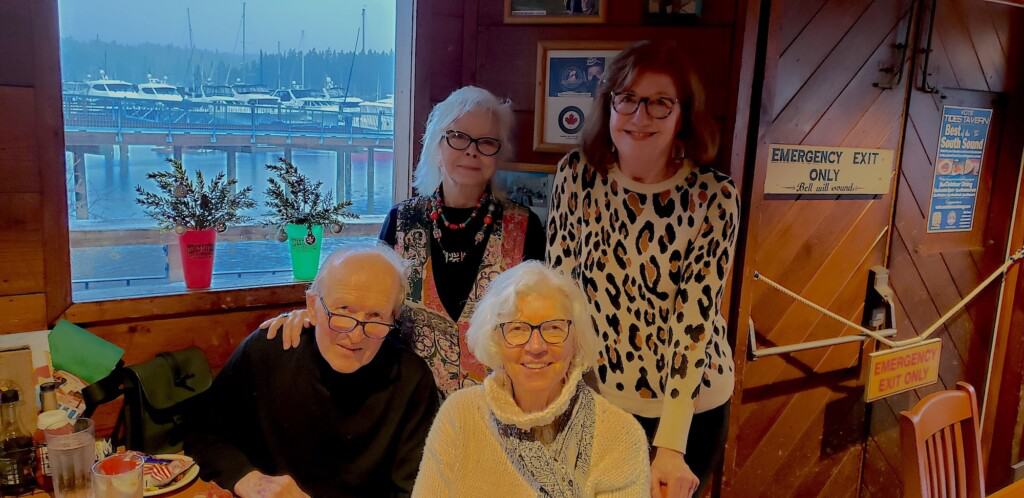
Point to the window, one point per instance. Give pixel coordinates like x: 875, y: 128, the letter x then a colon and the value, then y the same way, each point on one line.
x: 240, y: 84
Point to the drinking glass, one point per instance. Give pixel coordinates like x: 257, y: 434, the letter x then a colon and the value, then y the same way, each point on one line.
x: 72, y: 451
x: 118, y: 476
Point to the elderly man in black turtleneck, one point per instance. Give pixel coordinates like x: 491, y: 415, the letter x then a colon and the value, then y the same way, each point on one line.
x: 345, y: 415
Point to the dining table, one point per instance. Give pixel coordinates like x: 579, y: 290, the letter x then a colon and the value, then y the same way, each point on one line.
x: 1015, y: 490
x: 197, y: 489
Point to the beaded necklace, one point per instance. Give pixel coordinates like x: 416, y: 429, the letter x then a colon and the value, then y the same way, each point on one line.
x: 438, y: 218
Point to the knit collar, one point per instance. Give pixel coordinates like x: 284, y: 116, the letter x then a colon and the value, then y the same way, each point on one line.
x: 501, y: 401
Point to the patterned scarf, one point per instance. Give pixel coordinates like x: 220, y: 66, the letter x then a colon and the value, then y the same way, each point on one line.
x: 557, y: 470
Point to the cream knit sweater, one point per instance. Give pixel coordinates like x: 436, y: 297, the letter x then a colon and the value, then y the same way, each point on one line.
x: 464, y: 457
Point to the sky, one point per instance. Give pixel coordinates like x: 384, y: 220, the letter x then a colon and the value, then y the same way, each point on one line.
x: 216, y: 24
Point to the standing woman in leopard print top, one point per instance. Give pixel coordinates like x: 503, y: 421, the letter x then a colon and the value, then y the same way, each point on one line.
x: 647, y: 229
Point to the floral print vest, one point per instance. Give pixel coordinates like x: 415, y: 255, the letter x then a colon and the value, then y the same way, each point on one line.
x: 436, y: 337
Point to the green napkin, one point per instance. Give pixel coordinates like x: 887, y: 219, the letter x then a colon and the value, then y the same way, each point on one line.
x: 77, y: 351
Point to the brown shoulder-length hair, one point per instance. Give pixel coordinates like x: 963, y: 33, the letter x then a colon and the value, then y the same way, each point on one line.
x: 698, y: 132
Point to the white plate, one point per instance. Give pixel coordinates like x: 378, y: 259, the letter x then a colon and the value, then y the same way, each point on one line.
x: 190, y: 475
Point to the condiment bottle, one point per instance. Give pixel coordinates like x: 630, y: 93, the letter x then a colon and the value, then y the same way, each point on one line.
x: 17, y: 453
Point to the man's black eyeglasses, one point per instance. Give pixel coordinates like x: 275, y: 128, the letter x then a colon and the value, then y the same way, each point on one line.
x: 345, y: 324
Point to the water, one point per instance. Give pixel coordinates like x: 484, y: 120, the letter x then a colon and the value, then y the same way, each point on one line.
x: 111, y: 188
x: 97, y: 272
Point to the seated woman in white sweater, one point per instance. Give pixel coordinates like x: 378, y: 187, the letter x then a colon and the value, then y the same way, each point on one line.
x: 533, y: 428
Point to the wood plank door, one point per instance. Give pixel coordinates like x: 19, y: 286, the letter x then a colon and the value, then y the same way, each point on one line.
x: 798, y: 420
x: 968, y: 66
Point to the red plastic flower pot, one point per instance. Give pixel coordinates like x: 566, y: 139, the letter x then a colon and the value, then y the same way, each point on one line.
x: 197, y: 248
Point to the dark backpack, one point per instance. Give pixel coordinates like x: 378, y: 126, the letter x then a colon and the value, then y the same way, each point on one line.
x: 157, y: 396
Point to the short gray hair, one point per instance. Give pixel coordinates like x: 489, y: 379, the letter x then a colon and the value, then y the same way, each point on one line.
x: 428, y: 170
x: 400, y: 265
x: 499, y: 304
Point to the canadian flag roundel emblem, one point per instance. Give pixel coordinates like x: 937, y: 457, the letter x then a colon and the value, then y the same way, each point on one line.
x: 570, y: 120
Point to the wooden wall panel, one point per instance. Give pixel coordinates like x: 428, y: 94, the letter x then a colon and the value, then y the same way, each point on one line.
x: 21, y: 240
x: 18, y: 146
x: 49, y: 143
x: 798, y: 420
x: 217, y: 334
x: 930, y: 273
x: 23, y: 312
x: 33, y: 220
x: 1004, y: 409
x: 18, y: 67
x: 502, y: 58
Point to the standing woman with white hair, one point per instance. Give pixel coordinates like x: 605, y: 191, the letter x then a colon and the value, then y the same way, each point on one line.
x: 458, y: 233
x: 534, y: 428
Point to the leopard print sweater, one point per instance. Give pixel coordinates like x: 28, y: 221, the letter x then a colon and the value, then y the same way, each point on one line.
x: 653, y: 261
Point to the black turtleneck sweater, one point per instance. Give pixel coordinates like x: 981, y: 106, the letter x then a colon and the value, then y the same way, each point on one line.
x: 337, y: 435
x: 455, y: 279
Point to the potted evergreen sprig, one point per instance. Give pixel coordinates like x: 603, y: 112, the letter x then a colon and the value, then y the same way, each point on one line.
x: 301, y: 211
x: 196, y: 211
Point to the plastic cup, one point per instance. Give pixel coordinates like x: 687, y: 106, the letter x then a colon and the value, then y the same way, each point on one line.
x: 118, y: 476
x: 72, y: 451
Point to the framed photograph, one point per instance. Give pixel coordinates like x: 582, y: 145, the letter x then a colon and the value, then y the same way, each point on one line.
x: 531, y: 189
x: 669, y: 10
x: 568, y: 73
x: 529, y: 167
x: 555, y: 11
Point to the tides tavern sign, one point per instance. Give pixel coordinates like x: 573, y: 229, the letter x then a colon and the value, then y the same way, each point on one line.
x: 799, y: 169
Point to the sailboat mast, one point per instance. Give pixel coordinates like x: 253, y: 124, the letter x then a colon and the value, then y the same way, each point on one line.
x: 191, y: 50
x: 364, y: 30
x: 243, y: 39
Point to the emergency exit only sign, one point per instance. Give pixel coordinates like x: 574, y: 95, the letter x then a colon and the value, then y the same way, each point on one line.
x: 820, y: 170
x: 897, y: 370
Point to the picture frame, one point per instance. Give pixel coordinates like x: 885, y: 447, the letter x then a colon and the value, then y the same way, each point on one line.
x: 568, y: 73
x: 529, y: 167
x: 555, y: 11
x: 672, y: 10
x: 529, y: 188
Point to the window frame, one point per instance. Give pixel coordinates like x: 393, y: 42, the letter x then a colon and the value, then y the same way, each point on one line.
x: 187, y: 302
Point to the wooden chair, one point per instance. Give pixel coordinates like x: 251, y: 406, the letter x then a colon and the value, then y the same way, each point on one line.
x: 942, y: 446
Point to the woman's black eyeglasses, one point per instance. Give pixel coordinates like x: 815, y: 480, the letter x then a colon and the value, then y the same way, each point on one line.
x: 461, y: 141
x: 517, y: 333
x: 345, y: 324
x: 657, y: 107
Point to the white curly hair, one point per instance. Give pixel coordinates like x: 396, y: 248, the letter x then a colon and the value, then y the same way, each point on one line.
x: 499, y: 305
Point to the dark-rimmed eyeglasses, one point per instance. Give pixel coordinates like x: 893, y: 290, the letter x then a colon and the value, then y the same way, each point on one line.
x: 458, y: 140
x: 517, y: 333
x: 345, y: 324
x: 657, y: 107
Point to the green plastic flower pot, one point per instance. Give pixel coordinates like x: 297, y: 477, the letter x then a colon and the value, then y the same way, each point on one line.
x: 305, y: 249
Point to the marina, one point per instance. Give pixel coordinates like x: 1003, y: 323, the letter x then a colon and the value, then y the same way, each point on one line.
x: 116, y: 132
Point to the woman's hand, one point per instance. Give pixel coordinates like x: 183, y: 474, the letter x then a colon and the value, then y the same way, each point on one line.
x: 291, y: 324
x: 670, y: 476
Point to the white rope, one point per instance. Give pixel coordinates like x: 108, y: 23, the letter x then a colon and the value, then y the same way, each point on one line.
x: 1013, y: 259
